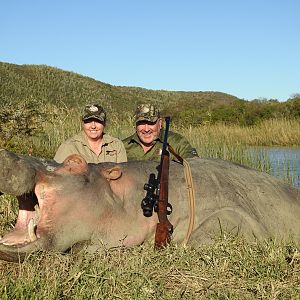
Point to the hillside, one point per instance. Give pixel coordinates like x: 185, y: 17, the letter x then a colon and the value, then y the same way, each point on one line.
x: 42, y: 85
x: 62, y: 87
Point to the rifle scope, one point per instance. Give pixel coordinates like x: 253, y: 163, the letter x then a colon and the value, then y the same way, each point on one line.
x: 151, y: 198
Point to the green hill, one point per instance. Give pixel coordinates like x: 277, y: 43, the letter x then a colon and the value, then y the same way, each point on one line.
x: 44, y: 85
x: 70, y: 89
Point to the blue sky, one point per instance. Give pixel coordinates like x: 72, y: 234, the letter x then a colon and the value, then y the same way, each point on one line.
x: 249, y: 49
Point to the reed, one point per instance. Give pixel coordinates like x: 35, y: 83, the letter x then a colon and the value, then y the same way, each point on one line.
x: 209, y: 139
x: 274, y: 132
x: 232, y: 142
x: 229, y: 142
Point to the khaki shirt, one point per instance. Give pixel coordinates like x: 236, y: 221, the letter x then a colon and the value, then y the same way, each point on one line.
x: 112, y: 149
x: 180, y: 145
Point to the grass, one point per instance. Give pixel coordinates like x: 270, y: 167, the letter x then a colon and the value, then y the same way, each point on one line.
x: 230, y: 268
x: 274, y: 132
x: 232, y: 142
x: 216, y: 140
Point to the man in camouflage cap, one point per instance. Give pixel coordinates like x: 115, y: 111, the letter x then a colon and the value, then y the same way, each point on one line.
x: 92, y: 143
x: 146, y: 112
x: 146, y: 143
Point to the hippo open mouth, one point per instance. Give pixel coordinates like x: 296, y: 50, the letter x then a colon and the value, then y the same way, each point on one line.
x: 18, y: 177
x: 26, y: 235
x: 26, y: 229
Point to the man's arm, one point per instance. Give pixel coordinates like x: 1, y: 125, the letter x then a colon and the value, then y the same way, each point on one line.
x: 182, y: 146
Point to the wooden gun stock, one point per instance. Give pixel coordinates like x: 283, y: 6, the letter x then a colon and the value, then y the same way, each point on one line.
x: 164, y: 228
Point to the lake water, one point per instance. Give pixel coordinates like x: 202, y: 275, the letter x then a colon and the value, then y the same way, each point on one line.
x: 282, y: 162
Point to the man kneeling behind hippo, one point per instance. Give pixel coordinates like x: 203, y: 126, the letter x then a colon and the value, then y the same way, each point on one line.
x: 146, y: 142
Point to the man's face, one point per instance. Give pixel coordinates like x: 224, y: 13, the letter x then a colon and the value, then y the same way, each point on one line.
x: 148, y: 131
x: 93, y: 129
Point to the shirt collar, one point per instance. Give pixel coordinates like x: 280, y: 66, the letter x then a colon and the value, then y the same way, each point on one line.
x: 107, y: 139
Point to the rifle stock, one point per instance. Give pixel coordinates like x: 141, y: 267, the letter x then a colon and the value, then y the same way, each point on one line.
x: 164, y: 228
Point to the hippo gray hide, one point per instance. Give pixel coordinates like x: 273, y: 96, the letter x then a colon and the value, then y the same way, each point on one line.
x: 61, y: 205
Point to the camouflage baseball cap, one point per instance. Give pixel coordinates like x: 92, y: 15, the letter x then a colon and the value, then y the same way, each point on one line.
x: 94, y: 111
x: 146, y: 112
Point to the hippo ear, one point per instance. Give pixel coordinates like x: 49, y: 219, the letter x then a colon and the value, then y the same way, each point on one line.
x: 112, y: 173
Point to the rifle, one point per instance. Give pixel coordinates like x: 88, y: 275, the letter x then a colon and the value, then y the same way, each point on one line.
x: 157, y: 196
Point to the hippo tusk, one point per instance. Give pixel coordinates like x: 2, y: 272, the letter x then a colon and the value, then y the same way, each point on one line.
x: 30, y: 229
x: 37, y: 213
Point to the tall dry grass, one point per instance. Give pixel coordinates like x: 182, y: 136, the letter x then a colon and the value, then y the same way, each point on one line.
x: 274, y: 132
x: 216, y: 140
x: 229, y: 142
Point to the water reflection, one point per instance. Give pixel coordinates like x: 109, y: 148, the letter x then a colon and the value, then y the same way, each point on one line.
x: 281, y: 162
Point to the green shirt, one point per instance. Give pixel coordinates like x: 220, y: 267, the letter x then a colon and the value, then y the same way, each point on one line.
x: 180, y: 145
x: 112, y: 149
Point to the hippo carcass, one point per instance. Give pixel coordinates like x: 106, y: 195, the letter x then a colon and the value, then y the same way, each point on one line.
x: 62, y: 205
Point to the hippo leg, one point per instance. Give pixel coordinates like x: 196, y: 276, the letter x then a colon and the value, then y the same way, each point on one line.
x: 231, y: 222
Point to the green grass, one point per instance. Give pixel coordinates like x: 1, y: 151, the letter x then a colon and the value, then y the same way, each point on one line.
x: 230, y: 268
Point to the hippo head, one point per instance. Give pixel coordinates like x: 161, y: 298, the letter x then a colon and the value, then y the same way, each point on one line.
x: 58, y: 203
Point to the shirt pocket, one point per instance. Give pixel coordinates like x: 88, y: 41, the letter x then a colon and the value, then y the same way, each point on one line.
x: 111, y: 155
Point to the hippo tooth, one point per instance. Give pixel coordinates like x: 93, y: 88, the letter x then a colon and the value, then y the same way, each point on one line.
x: 30, y: 228
x: 37, y: 213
